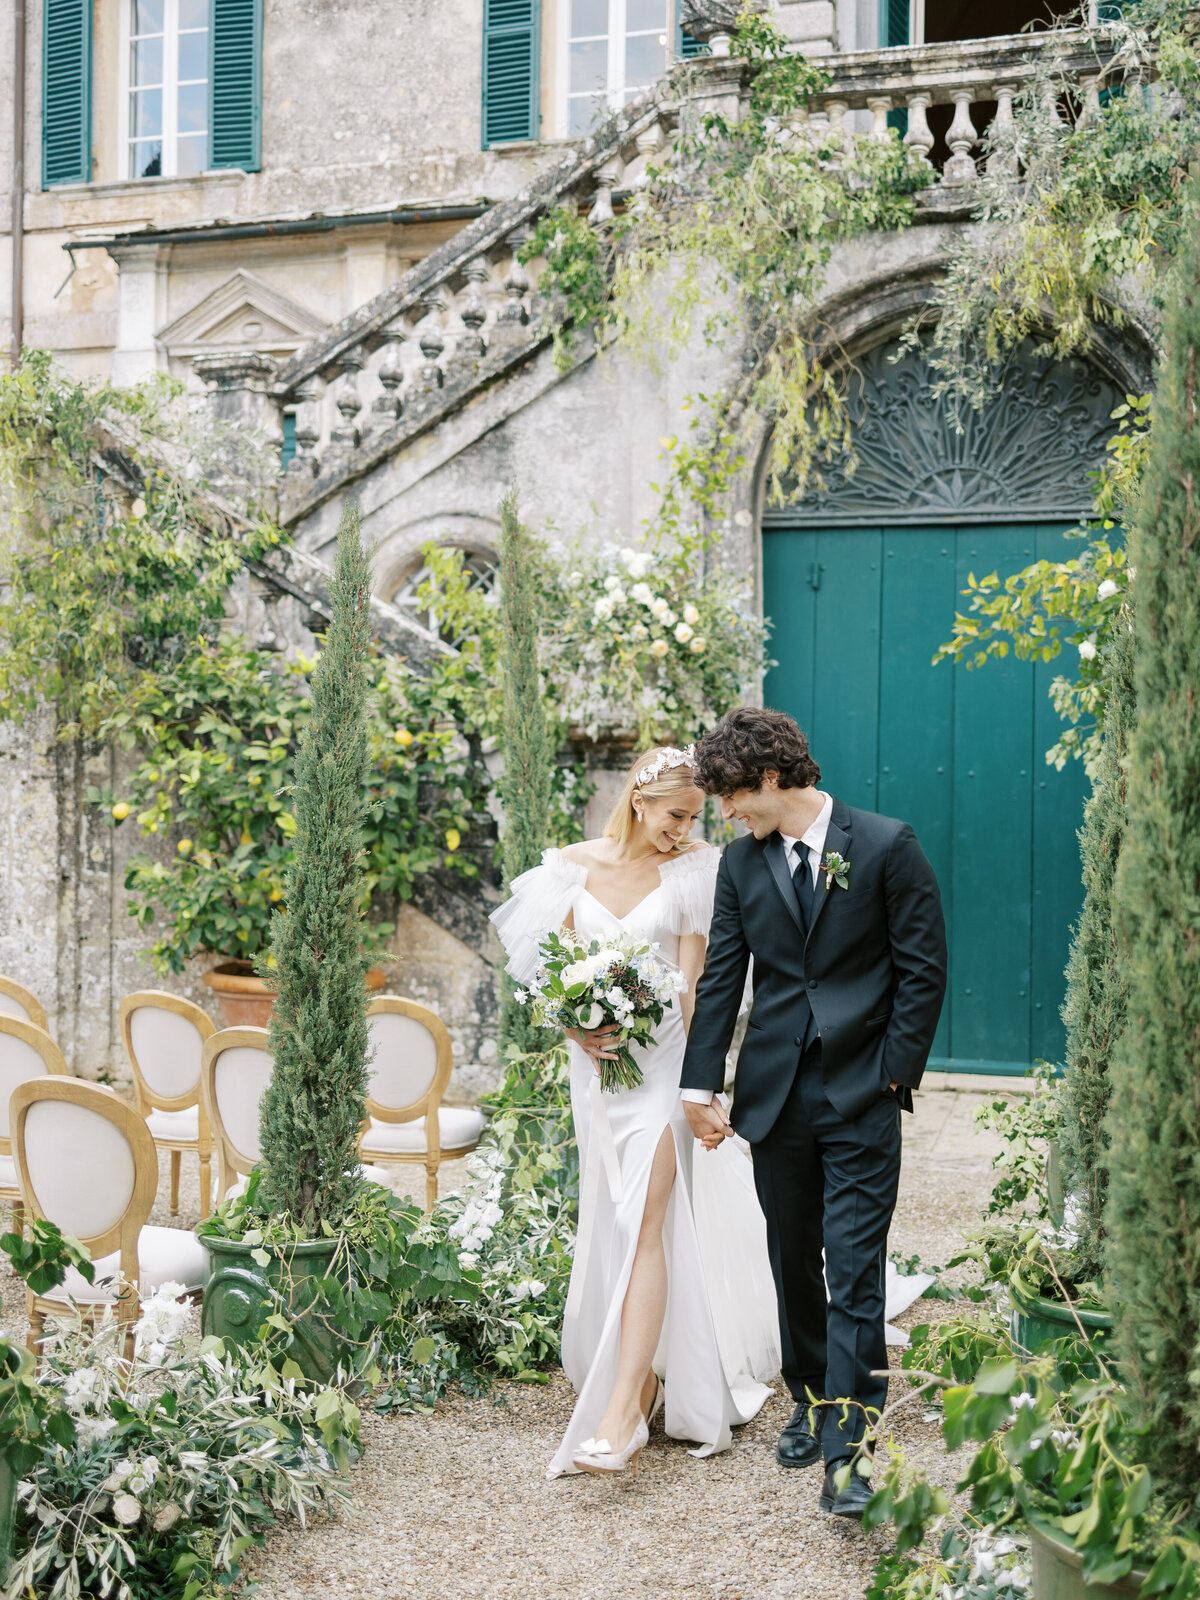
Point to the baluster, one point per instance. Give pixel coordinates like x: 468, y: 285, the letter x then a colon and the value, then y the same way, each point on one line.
x: 1002, y: 162
x: 1089, y: 89
x: 606, y: 178
x: 348, y: 403
x: 838, y: 137
x: 308, y: 430
x: 429, y: 373
x: 472, y: 347
x: 961, y: 138
x: 509, y: 327
x: 385, y: 413
x: 919, y: 136
x: 879, y: 105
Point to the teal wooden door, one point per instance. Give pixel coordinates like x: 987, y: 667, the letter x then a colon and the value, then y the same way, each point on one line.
x: 857, y: 616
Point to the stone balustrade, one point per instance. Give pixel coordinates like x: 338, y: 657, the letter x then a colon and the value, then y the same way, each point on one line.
x: 952, y: 93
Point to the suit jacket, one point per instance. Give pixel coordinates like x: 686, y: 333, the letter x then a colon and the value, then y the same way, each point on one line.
x: 872, y: 969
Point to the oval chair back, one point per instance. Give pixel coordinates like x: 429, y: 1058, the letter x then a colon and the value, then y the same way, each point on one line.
x: 18, y: 1001
x: 87, y: 1163
x: 409, y: 1074
x: 234, y: 1073
x: 164, y: 1036
x: 26, y: 1052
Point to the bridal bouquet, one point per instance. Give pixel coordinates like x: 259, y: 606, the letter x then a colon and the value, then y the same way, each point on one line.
x: 620, y: 981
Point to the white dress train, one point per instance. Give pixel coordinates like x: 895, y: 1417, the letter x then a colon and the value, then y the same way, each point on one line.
x: 720, y: 1337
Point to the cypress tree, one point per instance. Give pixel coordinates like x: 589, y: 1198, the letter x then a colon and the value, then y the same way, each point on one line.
x: 1094, y: 1007
x: 315, y: 1104
x: 528, y: 748
x: 1154, y: 1161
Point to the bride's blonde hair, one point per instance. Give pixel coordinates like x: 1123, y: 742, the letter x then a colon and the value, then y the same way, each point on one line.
x: 661, y: 781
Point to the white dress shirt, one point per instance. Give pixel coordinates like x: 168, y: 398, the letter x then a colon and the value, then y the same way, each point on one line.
x: 814, y: 837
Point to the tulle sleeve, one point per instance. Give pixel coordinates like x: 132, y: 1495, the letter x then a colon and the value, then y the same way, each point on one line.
x: 541, y: 899
x: 691, y: 882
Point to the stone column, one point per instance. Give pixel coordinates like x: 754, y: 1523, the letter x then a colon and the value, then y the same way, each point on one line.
x: 238, y: 384
x: 140, y: 289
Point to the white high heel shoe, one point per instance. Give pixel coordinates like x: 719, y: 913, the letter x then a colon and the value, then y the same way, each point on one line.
x: 597, y: 1455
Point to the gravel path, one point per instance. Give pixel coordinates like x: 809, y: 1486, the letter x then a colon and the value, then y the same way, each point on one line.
x: 455, y: 1506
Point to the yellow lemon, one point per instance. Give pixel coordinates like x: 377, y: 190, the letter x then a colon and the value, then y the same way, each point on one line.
x: 120, y: 811
x: 153, y: 775
x: 403, y: 737
x: 453, y: 838
x: 184, y: 847
x: 275, y: 894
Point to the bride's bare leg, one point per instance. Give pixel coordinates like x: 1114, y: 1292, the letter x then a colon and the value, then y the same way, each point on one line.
x: 644, y: 1308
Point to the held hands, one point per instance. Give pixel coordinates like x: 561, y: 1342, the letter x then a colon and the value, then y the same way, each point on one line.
x: 595, y: 1043
x: 709, y: 1123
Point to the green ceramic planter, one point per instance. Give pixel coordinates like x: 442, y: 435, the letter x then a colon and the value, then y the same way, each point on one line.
x: 239, y: 1295
x: 1037, y: 1321
x: 16, y: 1360
x: 1058, y: 1570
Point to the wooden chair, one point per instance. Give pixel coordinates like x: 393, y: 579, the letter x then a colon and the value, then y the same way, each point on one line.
x: 18, y: 1001
x: 409, y: 1075
x: 235, y: 1070
x: 164, y: 1039
x: 26, y: 1052
x: 88, y: 1164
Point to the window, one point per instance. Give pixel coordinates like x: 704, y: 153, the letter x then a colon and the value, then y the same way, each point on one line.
x: 616, y: 49
x: 168, y: 87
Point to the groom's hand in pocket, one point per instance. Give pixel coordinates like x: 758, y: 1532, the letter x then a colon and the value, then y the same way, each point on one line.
x: 708, y: 1123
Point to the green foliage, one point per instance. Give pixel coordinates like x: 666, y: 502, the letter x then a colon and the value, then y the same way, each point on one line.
x: 526, y: 740
x: 44, y: 1258
x: 216, y: 738
x: 1154, y: 1119
x: 1026, y: 1126
x: 1095, y: 1004
x: 315, y: 1103
x: 116, y: 567
x: 33, y: 1418
x: 481, y: 1282
x: 1052, y: 1444
x: 170, y: 1467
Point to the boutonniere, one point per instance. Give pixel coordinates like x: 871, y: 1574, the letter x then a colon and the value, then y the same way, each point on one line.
x: 836, y: 869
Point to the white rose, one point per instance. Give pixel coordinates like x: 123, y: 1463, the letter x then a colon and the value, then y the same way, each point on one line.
x: 126, y: 1509
x: 698, y: 646
x: 639, y: 631
x: 1106, y: 590
x: 659, y: 608
x: 617, y: 596
x: 683, y: 633
x: 577, y: 972
x: 643, y: 594
x: 690, y: 614
x: 659, y: 648
x: 603, y: 609
x: 669, y: 618
x: 612, y: 582
x: 592, y: 1017
x: 1087, y: 651
x: 166, y: 1516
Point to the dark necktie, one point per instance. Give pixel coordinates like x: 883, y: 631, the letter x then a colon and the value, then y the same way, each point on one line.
x: 803, y: 885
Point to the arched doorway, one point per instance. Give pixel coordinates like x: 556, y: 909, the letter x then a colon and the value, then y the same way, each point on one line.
x: 861, y: 579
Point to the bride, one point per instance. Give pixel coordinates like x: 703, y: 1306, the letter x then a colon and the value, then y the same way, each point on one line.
x: 671, y: 1303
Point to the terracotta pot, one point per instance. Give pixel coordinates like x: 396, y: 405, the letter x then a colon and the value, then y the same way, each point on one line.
x: 245, y: 998
x: 1058, y: 1570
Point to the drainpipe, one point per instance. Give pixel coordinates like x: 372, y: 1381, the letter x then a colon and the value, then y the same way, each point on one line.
x: 18, y: 182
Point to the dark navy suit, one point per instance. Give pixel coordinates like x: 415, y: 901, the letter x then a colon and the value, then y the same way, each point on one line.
x: 842, y: 1008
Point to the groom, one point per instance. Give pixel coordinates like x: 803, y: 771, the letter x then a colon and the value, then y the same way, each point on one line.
x: 840, y: 910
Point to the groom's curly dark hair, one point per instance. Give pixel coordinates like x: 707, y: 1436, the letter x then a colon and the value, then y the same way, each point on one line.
x: 745, y: 744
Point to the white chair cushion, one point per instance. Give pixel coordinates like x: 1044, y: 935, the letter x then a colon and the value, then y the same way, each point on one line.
x: 175, y: 1124
x: 458, y: 1126
x: 164, y: 1255
x: 8, y: 1173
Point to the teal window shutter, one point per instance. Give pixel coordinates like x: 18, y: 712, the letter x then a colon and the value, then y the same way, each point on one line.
x: 893, y: 23
x: 511, y: 47
x: 288, y: 448
x: 686, y: 47
x: 67, y: 92
x: 236, y: 84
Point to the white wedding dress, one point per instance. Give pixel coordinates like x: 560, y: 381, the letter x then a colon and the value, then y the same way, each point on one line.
x: 720, y: 1338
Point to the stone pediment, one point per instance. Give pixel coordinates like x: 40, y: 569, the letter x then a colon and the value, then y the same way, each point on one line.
x: 244, y: 313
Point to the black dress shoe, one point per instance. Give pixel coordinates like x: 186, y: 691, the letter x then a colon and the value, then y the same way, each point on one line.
x: 848, y: 1502
x: 798, y: 1445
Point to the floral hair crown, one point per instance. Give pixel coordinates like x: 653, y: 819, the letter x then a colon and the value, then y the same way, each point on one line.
x: 664, y: 761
